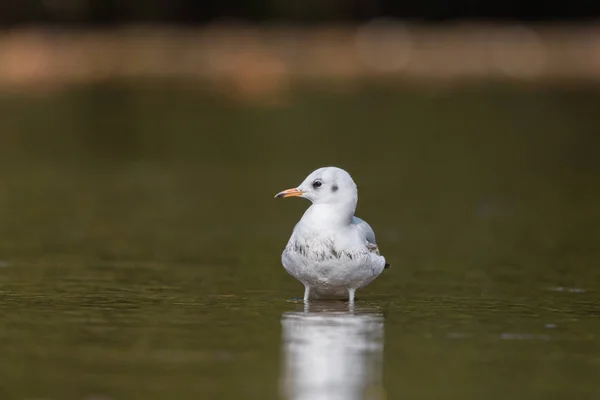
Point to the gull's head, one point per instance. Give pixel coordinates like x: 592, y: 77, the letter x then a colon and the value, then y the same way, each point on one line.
x: 328, y: 185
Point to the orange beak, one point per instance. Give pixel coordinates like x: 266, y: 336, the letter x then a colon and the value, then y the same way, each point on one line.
x: 289, y: 193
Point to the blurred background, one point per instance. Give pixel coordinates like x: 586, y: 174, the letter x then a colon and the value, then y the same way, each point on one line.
x: 141, y: 143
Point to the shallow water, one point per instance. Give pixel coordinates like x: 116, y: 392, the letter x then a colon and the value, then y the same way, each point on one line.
x: 140, y: 245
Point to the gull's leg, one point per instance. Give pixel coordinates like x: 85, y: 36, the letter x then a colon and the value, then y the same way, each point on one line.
x: 351, y: 295
x: 306, y: 293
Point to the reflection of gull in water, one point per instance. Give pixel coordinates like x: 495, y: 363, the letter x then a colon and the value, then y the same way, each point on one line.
x: 331, y: 354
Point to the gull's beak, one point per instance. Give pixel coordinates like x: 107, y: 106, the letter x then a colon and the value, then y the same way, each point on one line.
x: 289, y: 193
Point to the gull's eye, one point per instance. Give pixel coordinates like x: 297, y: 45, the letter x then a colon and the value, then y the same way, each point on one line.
x: 317, y: 184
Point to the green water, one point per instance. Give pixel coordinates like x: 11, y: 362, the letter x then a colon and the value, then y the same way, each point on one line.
x: 140, y: 245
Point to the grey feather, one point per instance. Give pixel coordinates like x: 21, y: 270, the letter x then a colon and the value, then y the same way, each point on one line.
x: 365, y: 229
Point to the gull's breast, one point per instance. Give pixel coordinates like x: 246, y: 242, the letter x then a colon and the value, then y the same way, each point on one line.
x: 320, y: 264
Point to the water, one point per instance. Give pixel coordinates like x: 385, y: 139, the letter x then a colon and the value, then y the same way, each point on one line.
x: 140, y: 245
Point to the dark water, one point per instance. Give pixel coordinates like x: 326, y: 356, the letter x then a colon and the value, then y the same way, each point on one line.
x: 140, y: 245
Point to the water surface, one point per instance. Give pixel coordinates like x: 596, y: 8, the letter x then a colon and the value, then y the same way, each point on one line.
x: 140, y: 245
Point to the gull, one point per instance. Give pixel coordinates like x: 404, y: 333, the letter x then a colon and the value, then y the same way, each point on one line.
x: 331, y: 251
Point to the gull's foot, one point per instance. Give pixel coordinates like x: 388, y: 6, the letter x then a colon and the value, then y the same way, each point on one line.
x: 351, y: 292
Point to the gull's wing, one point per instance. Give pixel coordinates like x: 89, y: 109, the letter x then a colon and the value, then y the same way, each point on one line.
x: 366, y: 230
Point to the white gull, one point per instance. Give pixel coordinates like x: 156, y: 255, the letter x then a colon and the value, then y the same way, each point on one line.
x: 332, y: 252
